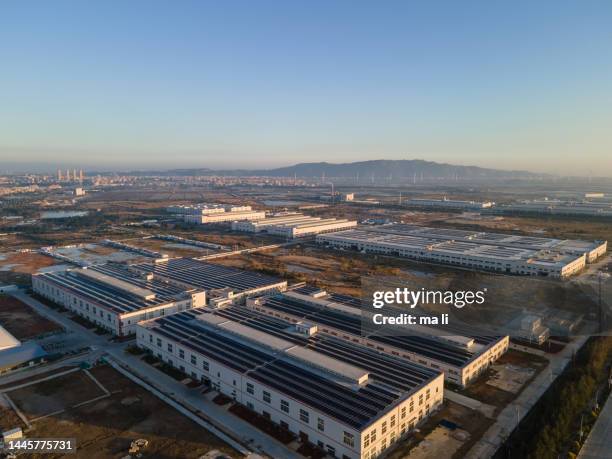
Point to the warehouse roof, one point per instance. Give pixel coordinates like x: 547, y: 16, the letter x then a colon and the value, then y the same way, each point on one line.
x: 288, y: 373
x: 207, y: 276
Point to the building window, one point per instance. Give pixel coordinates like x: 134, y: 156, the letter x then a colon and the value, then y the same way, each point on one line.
x: 383, y: 429
x: 373, y: 435
x: 266, y: 397
x: 205, y: 365
x: 366, y: 441
x: 194, y: 360
x: 349, y: 439
x: 181, y: 354
x: 250, y: 406
x: 250, y: 388
x: 285, y: 406
x: 304, y: 416
x: 169, y: 347
x: 321, y: 424
x: 403, y: 413
x: 392, y: 421
x: 159, y: 342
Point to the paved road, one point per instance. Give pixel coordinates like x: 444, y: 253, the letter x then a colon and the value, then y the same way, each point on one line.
x: 510, y: 416
x: 599, y: 443
x: 191, y: 398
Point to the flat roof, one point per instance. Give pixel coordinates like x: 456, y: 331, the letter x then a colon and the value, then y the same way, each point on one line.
x: 113, y: 295
x: 356, y: 407
x: 208, y: 276
x: 450, y: 351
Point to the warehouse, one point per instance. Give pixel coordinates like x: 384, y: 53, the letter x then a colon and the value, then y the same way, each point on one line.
x: 461, y: 358
x: 115, y: 298
x: 470, y: 254
x: 206, y: 209
x: 294, y: 225
x: 224, y: 217
x: 450, y: 204
x: 222, y: 284
x: 348, y: 400
x: 592, y: 249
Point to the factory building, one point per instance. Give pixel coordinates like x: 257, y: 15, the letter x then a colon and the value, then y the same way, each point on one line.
x: 583, y: 208
x: 450, y: 204
x: 348, y: 400
x: 115, y: 298
x: 222, y: 284
x: 294, y: 225
x: 591, y: 249
x: 462, y: 357
x: 520, y: 255
x: 224, y: 217
x: 15, y: 354
x: 206, y: 209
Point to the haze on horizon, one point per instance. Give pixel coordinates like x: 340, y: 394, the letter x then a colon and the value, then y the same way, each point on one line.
x: 158, y: 84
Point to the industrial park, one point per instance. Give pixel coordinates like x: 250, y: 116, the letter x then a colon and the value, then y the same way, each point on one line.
x: 305, y: 230
x: 254, y: 304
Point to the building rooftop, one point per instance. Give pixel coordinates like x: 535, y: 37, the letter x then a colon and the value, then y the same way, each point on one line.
x: 302, y: 371
x: 207, y: 276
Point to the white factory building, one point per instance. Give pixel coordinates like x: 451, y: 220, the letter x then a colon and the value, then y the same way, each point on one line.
x: 224, y: 217
x: 521, y: 255
x: 591, y: 249
x: 450, y: 204
x: 346, y: 399
x: 113, y: 297
x: 294, y: 225
x: 462, y: 357
x: 206, y: 209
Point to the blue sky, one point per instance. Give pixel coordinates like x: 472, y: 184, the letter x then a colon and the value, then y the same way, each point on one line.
x: 262, y: 83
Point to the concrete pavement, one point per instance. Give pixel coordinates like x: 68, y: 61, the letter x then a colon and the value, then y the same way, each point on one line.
x: 599, y: 443
x: 192, y: 399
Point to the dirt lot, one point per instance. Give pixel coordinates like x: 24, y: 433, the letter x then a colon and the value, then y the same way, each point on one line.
x: 16, y: 267
x: 467, y: 420
x: 22, y: 321
x: 105, y: 428
x: 492, y: 395
x: 53, y: 395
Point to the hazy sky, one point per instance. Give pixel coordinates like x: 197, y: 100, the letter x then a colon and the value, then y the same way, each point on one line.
x: 259, y: 83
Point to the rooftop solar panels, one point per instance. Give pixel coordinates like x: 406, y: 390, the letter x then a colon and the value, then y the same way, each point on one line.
x: 207, y: 276
x: 427, y: 346
x: 285, y: 373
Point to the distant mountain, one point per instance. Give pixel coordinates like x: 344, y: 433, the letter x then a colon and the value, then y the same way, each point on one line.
x: 378, y: 169
x: 396, y: 169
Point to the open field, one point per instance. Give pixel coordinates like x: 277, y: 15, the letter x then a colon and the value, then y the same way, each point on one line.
x: 106, y: 427
x: 22, y: 321
x: 16, y: 267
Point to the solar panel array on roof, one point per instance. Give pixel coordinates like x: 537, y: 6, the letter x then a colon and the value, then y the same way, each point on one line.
x: 423, y: 345
x: 207, y: 276
x: 355, y: 408
x: 111, y: 297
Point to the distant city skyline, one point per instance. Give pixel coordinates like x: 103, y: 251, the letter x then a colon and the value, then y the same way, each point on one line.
x: 156, y: 85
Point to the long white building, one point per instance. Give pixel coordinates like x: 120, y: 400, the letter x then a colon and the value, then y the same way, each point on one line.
x: 294, y: 225
x: 351, y: 402
x: 206, y: 209
x: 113, y: 297
x: 224, y: 217
x: 450, y: 204
x: 481, y: 251
x: 462, y: 358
